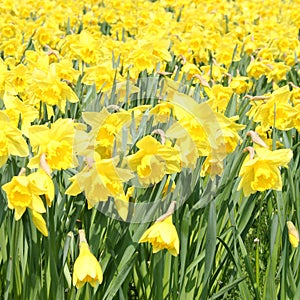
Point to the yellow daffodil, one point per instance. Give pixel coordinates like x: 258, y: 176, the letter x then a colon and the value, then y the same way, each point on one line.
x: 198, y: 134
x: 99, y: 180
x: 47, y: 35
x: 296, y: 120
x: 18, y: 80
x: 219, y: 97
x: 142, y: 59
x: 65, y: 71
x: 106, y: 130
x: 86, y: 266
x: 258, y: 68
x: 11, y: 140
x: 154, y: 160
x: 293, y: 234
x: 278, y: 71
x: 23, y: 192
x: 239, y: 84
x: 86, y: 47
x: 262, y: 172
x: 47, y: 87
x: 55, y: 142
x: 295, y: 95
x: 214, y: 72
x: 162, y: 235
x: 211, y: 166
x: 274, y: 110
x: 102, y: 75
x: 229, y: 129
x: 43, y: 180
x: 162, y: 111
x: 20, y: 112
x: 184, y: 144
x: 190, y: 70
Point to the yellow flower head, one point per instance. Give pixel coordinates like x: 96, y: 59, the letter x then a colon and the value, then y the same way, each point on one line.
x: 162, y: 235
x: 55, y: 142
x: 154, y: 160
x: 239, y: 84
x: 11, y: 139
x: 22, y: 192
x: 46, y: 86
x: 293, y: 234
x: 86, y: 47
x: 274, y: 109
x: 102, y: 75
x: 106, y: 130
x: 100, y: 180
x: 17, y: 109
x: 258, y: 68
x: 219, y: 97
x: 86, y: 268
x: 162, y: 111
x: 17, y: 80
x: 262, y: 172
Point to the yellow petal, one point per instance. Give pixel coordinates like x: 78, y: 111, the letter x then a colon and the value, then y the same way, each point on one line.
x: 39, y: 223
x: 37, y: 204
x: 19, y: 211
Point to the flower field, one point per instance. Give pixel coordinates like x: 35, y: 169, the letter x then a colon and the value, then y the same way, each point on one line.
x: 149, y: 149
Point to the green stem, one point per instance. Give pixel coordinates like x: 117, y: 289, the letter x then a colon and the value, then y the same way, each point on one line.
x: 257, y: 263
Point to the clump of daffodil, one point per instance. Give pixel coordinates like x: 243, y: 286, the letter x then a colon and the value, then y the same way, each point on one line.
x: 273, y: 110
x: 86, y: 266
x: 163, y: 234
x: 260, y: 170
x: 293, y: 234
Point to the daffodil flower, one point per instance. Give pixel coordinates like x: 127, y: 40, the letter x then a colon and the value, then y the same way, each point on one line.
x: 162, y: 235
x: 22, y: 193
x: 11, y: 140
x: 293, y: 234
x: 56, y: 143
x: 86, y: 266
x: 261, y: 172
x: 154, y: 160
